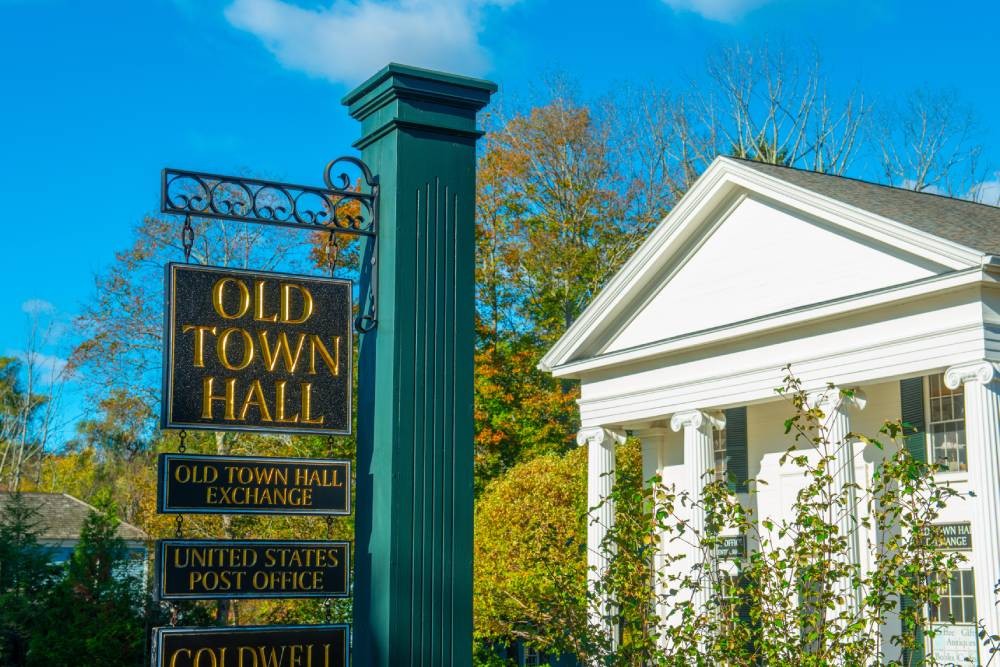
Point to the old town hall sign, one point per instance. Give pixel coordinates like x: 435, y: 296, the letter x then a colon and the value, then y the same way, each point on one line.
x: 255, y: 351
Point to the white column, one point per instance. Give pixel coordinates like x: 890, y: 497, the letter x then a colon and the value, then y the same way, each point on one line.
x: 653, y: 441
x: 600, y: 444
x: 836, y: 425
x: 982, y: 437
x: 698, y: 460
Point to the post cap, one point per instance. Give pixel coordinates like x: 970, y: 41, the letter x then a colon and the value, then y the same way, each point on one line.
x: 402, y: 95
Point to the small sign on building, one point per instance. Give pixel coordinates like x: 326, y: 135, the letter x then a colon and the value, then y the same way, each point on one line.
x: 731, y: 547
x: 955, y: 644
x: 957, y: 536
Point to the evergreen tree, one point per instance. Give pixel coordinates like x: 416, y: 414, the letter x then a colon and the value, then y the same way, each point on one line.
x: 100, y: 599
x: 25, y: 576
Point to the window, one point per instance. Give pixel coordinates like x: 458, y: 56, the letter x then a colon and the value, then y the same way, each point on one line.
x: 532, y: 658
x: 955, y: 640
x: 946, y: 425
x: 719, y: 451
x: 958, y: 600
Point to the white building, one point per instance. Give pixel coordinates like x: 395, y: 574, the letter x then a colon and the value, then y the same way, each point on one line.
x: 885, y: 290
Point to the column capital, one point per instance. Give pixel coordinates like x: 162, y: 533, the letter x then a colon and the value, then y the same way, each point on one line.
x: 696, y: 418
x: 831, y: 398
x: 976, y: 371
x: 599, y: 435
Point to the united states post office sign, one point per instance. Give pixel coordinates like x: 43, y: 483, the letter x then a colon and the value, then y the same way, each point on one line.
x: 251, y: 646
x: 223, y: 569
x: 256, y: 351
x: 209, y: 484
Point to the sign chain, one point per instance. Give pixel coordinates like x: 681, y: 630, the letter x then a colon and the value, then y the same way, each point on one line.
x: 181, y: 447
x: 187, y: 238
x: 332, y: 252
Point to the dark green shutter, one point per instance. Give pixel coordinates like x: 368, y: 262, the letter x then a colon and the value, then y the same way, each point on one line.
x: 911, y: 398
x: 916, y: 656
x: 737, y: 469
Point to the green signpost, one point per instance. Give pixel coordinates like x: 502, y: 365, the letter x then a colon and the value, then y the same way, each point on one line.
x: 266, y: 352
x: 413, y: 554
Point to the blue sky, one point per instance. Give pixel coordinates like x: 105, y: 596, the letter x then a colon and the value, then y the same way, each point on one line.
x: 98, y: 96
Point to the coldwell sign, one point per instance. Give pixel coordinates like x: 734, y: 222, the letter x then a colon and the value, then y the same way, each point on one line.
x: 252, y: 646
x: 255, y: 351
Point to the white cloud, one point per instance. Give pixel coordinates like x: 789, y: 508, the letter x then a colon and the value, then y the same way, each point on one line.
x: 717, y: 10
x: 351, y: 40
x: 47, y: 368
x: 38, y: 307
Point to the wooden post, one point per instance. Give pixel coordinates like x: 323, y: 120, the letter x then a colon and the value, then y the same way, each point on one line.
x: 413, y: 585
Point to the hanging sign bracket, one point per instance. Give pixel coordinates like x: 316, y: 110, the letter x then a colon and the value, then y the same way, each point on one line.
x: 339, y: 208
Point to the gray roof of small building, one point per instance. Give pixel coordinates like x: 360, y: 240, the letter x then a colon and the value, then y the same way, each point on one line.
x: 61, y: 516
x: 969, y: 223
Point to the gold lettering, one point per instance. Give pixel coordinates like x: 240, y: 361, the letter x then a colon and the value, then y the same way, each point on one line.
x: 332, y: 362
x: 200, y: 652
x: 258, y: 310
x: 255, y: 396
x: 207, y: 397
x: 279, y: 400
x: 283, y: 349
x: 182, y: 471
x: 223, y: 342
x: 173, y: 658
x: 199, y: 341
x: 252, y: 655
x: 307, y: 405
x: 286, y: 303
x: 274, y: 659
x: 218, y: 292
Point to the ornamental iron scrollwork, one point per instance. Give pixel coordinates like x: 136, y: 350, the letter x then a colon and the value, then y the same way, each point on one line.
x: 342, y: 207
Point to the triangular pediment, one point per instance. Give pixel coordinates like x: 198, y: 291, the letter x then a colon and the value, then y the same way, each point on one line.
x: 762, y: 259
x: 742, y: 246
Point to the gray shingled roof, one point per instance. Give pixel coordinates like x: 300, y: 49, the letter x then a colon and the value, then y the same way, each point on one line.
x: 61, y: 516
x: 973, y: 225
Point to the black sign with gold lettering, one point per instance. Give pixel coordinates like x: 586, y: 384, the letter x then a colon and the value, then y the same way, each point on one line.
x: 731, y: 546
x: 252, y: 646
x: 255, y: 351
x: 211, y: 569
x: 957, y: 536
x: 202, y: 484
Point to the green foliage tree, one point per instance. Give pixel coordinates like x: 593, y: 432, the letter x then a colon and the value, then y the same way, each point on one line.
x: 530, y: 560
